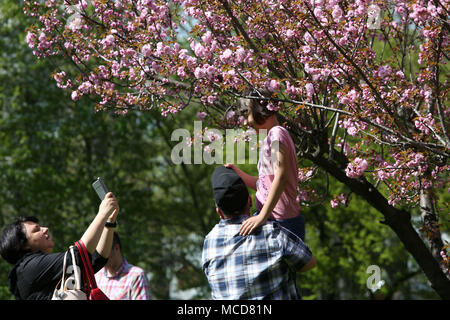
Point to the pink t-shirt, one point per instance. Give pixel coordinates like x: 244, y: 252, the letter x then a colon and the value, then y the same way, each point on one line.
x: 287, y: 206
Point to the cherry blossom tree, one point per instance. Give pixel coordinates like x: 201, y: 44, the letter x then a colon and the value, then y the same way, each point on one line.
x: 362, y: 85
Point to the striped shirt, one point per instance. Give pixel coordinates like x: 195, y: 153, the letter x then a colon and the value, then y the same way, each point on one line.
x: 261, y: 265
x: 128, y: 283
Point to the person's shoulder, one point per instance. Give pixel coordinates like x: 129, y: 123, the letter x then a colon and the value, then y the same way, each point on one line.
x: 278, y: 130
x: 27, y: 264
x: 131, y: 269
x: 30, y: 257
x: 213, y: 233
x: 136, y: 270
x: 279, y: 133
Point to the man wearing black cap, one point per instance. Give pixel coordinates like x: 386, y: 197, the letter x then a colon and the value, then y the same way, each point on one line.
x: 261, y: 265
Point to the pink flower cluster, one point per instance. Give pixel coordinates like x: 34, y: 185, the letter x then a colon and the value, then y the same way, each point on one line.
x: 350, y: 97
x: 356, y: 168
x: 60, y: 80
x: 315, y: 55
x: 305, y: 174
x: 353, y: 127
x: 424, y: 123
x: 339, y: 200
x: 405, y: 174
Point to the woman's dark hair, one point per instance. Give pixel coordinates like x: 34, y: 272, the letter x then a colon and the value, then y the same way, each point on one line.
x: 257, y: 108
x: 13, y: 240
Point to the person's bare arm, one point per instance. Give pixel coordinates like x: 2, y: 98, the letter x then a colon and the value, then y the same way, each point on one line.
x: 104, y: 245
x: 250, y: 181
x: 93, y: 233
x: 281, y: 169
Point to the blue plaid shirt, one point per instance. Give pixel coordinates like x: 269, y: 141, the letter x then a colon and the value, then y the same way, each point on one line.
x: 258, y: 266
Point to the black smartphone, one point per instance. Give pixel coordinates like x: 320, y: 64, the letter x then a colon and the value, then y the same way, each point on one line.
x: 100, y: 187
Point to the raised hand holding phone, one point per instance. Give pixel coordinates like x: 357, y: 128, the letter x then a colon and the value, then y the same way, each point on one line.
x: 98, y: 235
x: 108, y: 198
x: 100, y: 187
x: 109, y: 206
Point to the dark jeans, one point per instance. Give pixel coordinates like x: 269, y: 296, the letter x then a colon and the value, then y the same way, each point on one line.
x: 295, y: 225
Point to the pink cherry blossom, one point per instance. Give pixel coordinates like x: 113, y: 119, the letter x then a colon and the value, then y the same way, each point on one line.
x: 146, y: 50
x: 273, y: 85
x: 337, y: 13
x: 356, y: 168
x: 201, y: 115
x: 334, y: 203
x: 273, y: 106
x: 211, y: 99
x: 75, y: 95
x: 382, y: 175
x: 240, y: 55
x: 199, y: 72
x: 384, y: 71
x: 31, y: 39
x: 230, y: 115
x: 226, y: 55
x: 424, y: 123
x: 309, y: 90
x: 340, y: 200
x: 200, y: 50
x: 108, y: 41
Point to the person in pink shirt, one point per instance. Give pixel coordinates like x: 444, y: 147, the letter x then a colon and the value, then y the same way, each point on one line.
x: 277, y: 180
x: 120, y: 280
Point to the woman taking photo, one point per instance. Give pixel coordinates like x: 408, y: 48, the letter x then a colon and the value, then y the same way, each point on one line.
x: 27, y: 245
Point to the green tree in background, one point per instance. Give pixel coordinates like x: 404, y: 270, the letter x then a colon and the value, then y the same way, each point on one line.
x: 346, y: 241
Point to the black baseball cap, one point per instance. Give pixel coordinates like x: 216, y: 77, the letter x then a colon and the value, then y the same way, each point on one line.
x: 230, y: 191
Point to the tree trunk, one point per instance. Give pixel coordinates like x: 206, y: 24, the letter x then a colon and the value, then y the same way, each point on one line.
x: 430, y: 222
x: 398, y: 220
